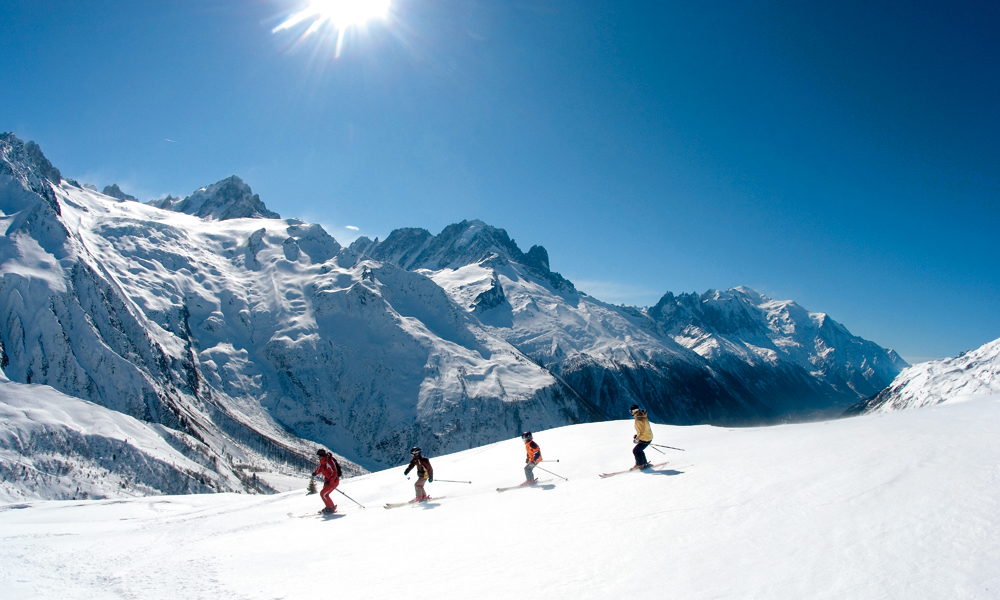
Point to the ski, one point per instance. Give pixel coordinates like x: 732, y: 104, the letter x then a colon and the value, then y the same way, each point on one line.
x: 315, y: 514
x: 409, y: 502
x: 603, y: 475
x: 521, y: 485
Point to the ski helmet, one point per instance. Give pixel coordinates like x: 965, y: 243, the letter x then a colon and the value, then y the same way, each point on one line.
x: 414, y: 451
x: 526, y: 436
x: 633, y: 408
x: 321, y: 452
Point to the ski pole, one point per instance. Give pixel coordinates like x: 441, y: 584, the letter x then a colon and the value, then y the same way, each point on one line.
x: 450, y: 481
x: 658, y: 450
x: 554, y: 460
x: 671, y: 447
x: 551, y: 473
x: 352, y: 499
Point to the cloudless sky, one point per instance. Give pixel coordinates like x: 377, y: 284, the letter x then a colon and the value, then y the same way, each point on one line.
x: 845, y: 155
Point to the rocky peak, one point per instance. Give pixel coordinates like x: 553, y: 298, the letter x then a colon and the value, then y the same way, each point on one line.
x: 116, y: 192
x: 25, y: 175
x: 712, y: 312
x: 461, y: 244
x: 228, y: 199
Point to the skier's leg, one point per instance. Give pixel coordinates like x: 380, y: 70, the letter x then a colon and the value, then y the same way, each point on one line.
x: 419, y: 488
x: 328, y: 488
x: 529, y: 472
x: 639, y: 453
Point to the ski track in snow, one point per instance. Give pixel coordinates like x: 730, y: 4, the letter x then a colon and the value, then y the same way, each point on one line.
x: 900, y: 505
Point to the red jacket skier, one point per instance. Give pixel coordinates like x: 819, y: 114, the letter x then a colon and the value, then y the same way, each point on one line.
x: 330, y: 471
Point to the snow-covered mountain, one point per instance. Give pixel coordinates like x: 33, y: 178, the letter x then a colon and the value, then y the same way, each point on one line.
x: 721, y: 356
x: 970, y: 374
x: 260, y: 337
x: 250, y: 334
x: 776, y: 346
x: 228, y: 199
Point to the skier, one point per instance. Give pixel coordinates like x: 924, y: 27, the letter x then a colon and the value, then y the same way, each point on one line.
x: 643, y: 436
x: 534, y: 457
x: 424, y: 473
x: 330, y: 471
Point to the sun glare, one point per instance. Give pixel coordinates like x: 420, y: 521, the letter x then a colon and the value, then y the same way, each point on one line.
x: 339, y: 14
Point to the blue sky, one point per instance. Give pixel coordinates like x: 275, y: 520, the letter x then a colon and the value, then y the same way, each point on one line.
x: 844, y: 155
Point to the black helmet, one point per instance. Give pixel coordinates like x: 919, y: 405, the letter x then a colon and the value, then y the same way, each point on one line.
x: 321, y: 452
x: 633, y: 408
x: 414, y: 451
x: 526, y: 436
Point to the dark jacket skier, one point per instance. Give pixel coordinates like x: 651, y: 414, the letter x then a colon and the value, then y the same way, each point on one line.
x: 330, y: 471
x: 425, y: 473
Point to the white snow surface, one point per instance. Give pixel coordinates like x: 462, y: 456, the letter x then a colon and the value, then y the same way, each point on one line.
x: 57, y: 446
x: 900, y: 505
x: 970, y: 375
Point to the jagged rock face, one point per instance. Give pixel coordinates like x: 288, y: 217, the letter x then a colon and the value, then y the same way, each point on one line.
x: 459, y: 245
x: 490, y: 298
x: 970, y: 374
x: 114, y: 191
x: 24, y: 174
x: 228, y: 199
x: 45, y: 168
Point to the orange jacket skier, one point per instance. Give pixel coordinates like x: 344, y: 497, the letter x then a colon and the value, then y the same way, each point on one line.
x: 534, y: 456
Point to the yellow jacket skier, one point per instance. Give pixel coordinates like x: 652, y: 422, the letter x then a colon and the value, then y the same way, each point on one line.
x: 643, y: 436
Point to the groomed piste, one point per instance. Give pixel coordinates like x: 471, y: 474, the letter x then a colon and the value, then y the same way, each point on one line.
x: 899, y: 505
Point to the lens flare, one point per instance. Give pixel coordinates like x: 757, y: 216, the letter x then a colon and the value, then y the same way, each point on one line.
x: 338, y: 14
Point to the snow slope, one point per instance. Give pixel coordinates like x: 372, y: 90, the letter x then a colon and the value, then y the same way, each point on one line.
x: 969, y: 375
x: 901, y: 505
x: 56, y: 446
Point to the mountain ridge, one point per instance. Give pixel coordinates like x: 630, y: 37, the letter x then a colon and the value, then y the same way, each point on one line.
x: 972, y: 373
x: 262, y: 337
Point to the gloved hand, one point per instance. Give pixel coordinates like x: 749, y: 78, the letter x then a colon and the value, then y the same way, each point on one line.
x: 430, y: 480
x: 635, y: 439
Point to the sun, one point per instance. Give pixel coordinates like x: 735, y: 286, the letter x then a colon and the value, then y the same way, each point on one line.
x: 348, y: 13
x: 338, y: 14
